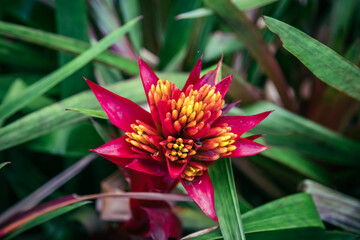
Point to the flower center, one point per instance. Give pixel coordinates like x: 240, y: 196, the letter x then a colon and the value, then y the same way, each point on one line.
x: 185, y: 120
x: 179, y: 150
x: 187, y: 112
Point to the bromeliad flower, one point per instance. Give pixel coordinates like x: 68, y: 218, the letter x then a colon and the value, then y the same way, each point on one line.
x: 183, y: 135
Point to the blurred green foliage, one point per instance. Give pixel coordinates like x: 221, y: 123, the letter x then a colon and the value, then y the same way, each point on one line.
x: 314, y: 132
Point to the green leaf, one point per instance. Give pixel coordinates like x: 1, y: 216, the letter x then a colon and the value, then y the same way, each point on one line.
x: 46, y: 217
x: 31, y: 58
x: 17, y: 87
x: 244, y: 5
x: 221, y: 43
x: 293, y: 234
x: 4, y: 164
x: 90, y: 112
x: 51, y: 80
x: 6, y: 80
x: 342, y: 16
x: 254, y: 42
x: 71, y: 45
x: 55, y: 117
x: 103, y: 134
x: 129, y: 10
x: 296, y: 161
x: 300, y: 234
x: 326, y: 64
x: 295, y: 211
x: 68, y: 141
x: 226, y: 201
x: 286, y: 129
x: 177, y: 36
x: 353, y: 52
x: 197, y: 13
x: 35, y: 197
x: 71, y: 21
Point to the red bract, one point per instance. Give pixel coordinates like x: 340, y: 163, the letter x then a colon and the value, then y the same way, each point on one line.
x: 184, y: 133
x: 150, y: 218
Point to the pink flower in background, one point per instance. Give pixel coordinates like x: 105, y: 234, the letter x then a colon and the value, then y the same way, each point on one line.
x: 183, y: 135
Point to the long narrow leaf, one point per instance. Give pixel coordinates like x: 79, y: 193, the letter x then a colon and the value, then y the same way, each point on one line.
x: 287, y: 129
x: 293, y: 234
x: 226, y: 201
x: 251, y: 36
x: 56, y: 204
x: 49, y: 81
x: 71, y: 45
x: 289, y: 213
x: 48, y: 188
x: 44, y: 218
x: 90, y: 112
x: 73, y: 25
x: 325, y: 63
x: 55, y: 117
x: 296, y: 211
x: 244, y: 5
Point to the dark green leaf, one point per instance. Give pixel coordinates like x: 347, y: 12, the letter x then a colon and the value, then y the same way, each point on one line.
x: 129, y: 10
x: 253, y: 40
x: 67, y: 44
x: 301, y: 234
x: 71, y: 21
x: 51, y: 80
x: 286, y: 129
x: 326, y: 64
x: 293, y: 234
x: 226, y: 201
x: 30, y: 58
x: 295, y: 211
x: 90, y: 112
x: 55, y: 117
x: 244, y: 5
x: 177, y: 37
x: 71, y: 141
x: 48, y: 188
x: 221, y: 43
x: 286, y: 214
x: 45, y: 217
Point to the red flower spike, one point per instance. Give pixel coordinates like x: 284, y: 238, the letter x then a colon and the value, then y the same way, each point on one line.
x: 184, y: 134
